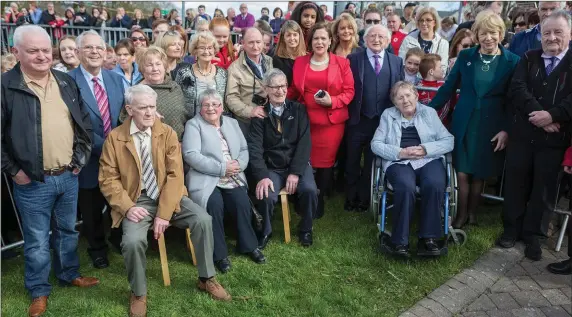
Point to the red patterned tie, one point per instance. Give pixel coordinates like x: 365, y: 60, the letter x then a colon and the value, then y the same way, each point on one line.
x: 103, y: 105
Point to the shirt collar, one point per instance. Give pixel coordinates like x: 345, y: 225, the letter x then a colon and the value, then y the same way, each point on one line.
x: 29, y: 80
x: 89, y: 76
x: 253, y: 62
x: 133, y: 129
x: 559, y: 56
x: 370, y: 54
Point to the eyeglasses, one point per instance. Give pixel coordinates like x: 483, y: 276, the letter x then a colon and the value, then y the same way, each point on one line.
x: 140, y: 39
x: 467, y: 45
x: 371, y: 21
x: 204, y: 49
x: 213, y: 106
x: 282, y: 87
x: 90, y: 48
x: 377, y: 36
x: 428, y: 21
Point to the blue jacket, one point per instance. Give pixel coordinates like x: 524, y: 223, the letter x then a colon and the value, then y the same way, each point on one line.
x: 115, y: 92
x: 525, y: 41
x: 435, y: 138
x: 136, y: 76
x: 357, y: 62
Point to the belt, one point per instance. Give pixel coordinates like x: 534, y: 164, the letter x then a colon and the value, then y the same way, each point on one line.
x: 57, y: 171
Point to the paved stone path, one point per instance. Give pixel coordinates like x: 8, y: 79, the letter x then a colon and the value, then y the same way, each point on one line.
x: 502, y: 283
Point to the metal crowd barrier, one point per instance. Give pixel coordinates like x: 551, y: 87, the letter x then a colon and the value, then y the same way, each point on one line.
x: 110, y: 35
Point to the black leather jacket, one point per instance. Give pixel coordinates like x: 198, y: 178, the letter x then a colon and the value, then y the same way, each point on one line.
x: 22, y: 125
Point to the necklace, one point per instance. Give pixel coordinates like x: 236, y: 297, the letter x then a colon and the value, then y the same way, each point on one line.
x: 486, y: 67
x: 324, y: 62
x: 201, y: 72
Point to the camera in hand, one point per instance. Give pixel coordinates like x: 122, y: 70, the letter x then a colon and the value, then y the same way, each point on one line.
x: 258, y: 100
x: 320, y: 94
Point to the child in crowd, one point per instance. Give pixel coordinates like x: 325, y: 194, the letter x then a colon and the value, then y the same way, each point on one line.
x: 8, y: 62
x: 433, y: 76
x: 412, y: 61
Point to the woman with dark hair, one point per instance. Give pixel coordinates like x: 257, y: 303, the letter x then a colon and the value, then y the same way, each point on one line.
x: 307, y: 14
x: 95, y: 12
x: 324, y: 83
x: 155, y: 16
x: 276, y: 23
x: 103, y: 19
x: 462, y: 40
x: 290, y: 46
x: 69, y: 16
x: 68, y: 58
x: 140, y: 39
x: 218, y: 13
x: 126, y: 66
x: 173, y: 17
x: 532, y: 18
x: 350, y: 6
x: 519, y: 21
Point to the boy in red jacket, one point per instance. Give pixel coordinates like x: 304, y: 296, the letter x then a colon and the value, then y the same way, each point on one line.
x: 432, y: 74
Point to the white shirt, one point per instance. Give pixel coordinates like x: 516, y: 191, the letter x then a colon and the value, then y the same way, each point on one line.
x: 559, y: 57
x: 371, y: 59
x: 89, y: 78
x: 132, y: 131
x: 277, y: 110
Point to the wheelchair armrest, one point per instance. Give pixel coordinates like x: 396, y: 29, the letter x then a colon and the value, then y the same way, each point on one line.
x: 449, y: 158
x: 377, y: 161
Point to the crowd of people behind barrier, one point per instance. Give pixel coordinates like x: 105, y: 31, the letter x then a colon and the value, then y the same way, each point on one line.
x: 187, y: 131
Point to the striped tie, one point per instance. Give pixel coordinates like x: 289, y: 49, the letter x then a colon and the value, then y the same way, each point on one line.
x: 147, y: 168
x: 102, y: 104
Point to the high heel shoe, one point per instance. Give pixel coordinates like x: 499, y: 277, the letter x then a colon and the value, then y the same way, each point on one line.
x: 460, y: 222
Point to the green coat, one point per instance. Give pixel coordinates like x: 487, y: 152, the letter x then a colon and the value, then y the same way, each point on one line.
x: 494, y: 105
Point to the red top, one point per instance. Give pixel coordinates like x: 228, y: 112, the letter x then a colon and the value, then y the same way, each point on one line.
x: 567, y: 157
x: 339, y: 84
x: 425, y: 98
x: 315, y: 80
x: 225, y: 59
x: 397, y: 39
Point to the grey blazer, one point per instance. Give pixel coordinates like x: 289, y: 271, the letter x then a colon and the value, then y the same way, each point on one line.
x: 202, y: 151
x: 434, y: 136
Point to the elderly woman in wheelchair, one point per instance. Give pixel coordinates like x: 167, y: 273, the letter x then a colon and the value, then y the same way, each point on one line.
x: 411, y: 140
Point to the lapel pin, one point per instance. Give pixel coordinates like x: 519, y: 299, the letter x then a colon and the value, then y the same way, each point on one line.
x: 469, y: 64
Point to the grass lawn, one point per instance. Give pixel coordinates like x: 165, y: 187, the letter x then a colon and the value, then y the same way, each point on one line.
x: 342, y: 274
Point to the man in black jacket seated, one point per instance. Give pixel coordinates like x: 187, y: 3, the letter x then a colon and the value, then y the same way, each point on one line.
x: 541, y: 92
x: 279, y: 149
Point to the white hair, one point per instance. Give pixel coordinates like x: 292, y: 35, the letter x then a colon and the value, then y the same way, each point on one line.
x: 134, y: 91
x: 28, y: 29
x: 271, y: 74
x: 368, y: 29
x: 559, y: 14
x: 79, y: 39
x: 209, y: 93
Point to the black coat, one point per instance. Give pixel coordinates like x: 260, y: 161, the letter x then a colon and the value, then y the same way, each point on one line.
x: 143, y: 23
x: 286, y: 151
x: 22, y: 125
x: 532, y: 90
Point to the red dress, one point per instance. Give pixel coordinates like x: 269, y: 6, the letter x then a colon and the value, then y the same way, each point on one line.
x: 327, y: 124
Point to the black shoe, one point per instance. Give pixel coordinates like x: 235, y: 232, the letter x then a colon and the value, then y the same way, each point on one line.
x: 562, y: 268
x: 428, y: 247
x: 431, y: 245
x: 533, y: 250
x: 349, y: 206
x: 320, y: 210
x: 401, y: 250
x: 223, y: 265
x: 100, y: 262
x: 263, y: 241
x: 257, y: 256
x: 506, y: 241
x: 306, y: 239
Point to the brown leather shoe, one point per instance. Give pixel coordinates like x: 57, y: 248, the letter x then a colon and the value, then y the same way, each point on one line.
x: 38, y: 306
x: 216, y: 290
x: 85, y: 281
x: 137, y: 306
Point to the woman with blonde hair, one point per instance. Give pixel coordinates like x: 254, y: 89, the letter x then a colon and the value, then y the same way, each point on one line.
x: 139, y: 20
x: 220, y: 28
x: 291, y: 45
x: 426, y: 36
x: 174, y: 46
x: 345, y: 33
x: 68, y: 57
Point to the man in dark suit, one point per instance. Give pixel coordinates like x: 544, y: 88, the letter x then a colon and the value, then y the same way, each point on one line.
x: 375, y: 71
x: 102, y: 91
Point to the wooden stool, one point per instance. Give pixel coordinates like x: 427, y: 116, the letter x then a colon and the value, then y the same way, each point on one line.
x: 163, y: 255
x: 285, y: 214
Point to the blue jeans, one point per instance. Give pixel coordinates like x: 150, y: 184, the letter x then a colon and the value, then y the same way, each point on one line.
x: 37, y: 203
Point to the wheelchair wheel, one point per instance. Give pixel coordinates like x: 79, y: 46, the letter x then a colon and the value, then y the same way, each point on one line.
x: 374, y: 198
x: 457, y: 236
x: 453, y: 197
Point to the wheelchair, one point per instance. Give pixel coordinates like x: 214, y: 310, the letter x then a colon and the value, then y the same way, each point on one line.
x: 380, y: 189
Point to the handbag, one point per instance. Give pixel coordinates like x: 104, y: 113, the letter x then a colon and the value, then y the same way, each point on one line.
x: 256, y: 216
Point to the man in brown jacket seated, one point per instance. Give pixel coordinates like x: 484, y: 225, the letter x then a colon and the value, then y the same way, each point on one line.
x: 141, y: 176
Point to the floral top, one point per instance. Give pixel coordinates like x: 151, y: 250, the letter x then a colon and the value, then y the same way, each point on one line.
x: 187, y: 79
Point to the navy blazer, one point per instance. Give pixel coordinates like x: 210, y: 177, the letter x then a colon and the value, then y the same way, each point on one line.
x: 357, y: 62
x: 115, y: 92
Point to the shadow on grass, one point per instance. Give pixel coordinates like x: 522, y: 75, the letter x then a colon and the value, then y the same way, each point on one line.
x: 341, y: 275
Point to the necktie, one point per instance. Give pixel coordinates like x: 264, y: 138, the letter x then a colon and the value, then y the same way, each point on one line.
x: 147, y: 168
x: 278, y: 121
x: 552, y: 64
x: 377, y: 64
x: 102, y: 104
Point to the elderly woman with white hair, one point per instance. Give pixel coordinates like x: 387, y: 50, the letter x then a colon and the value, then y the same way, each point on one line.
x: 217, y: 154
x: 410, y: 139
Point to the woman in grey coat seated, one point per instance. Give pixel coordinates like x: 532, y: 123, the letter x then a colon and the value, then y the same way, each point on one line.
x: 411, y: 139
x: 217, y: 155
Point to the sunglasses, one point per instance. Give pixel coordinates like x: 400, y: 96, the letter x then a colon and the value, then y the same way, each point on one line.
x: 467, y: 45
x: 521, y: 24
x: 140, y: 39
x: 370, y: 21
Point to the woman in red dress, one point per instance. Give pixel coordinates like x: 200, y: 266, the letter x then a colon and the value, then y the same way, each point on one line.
x: 323, y: 71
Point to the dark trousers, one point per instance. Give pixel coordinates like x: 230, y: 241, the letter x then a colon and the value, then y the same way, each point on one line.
x: 235, y: 203
x: 432, y: 182
x: 531, y: 189
x: 306, y: 199
x: 358, y: 141
x: 91, y: 203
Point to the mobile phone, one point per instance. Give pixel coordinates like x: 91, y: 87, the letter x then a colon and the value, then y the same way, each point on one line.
x: 320, y: 94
